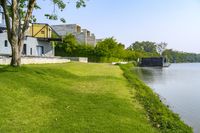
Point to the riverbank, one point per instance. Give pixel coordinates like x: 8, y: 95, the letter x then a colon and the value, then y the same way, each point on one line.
x: 159, y: 115
x: 72, y: 97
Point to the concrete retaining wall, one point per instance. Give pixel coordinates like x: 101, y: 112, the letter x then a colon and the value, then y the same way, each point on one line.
x: 5, y: 60
x: 35, y: 60
x: 79, y: 59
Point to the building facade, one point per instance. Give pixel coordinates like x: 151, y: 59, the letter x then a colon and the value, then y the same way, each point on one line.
x: 39, y: 30
x: 82, y: 35
x: 32, y: 47
x: 36, y: 43
x: 2, y: 22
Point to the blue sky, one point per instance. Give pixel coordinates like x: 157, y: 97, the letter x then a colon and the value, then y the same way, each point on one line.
x: 176, y: 22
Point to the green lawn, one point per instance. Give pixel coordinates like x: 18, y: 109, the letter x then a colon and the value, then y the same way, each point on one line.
x: 69, y: 98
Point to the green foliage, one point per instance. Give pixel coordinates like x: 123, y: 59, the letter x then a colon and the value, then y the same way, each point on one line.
x: 54, y: 35
x: 83, y: 50
x: 179, y: 57
x: 160, y: 115
x: 69, y: 43
x: 161, y: 47
x: 107, y: 59
x: 108, y: 50
x: 23, y: 5
x: 134, y: 55
x: 61, y: 6
x: 80, y: 3
x: 144, y: 46
x: 71, y: 48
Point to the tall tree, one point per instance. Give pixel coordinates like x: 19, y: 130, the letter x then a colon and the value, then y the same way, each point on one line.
x: 144, y: 46
x: 106, y: 47
x: 161, y: 47
x: 18, y: 15
x: 69, y: 43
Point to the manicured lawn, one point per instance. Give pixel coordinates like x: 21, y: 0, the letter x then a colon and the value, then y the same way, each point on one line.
x: 69, y: 98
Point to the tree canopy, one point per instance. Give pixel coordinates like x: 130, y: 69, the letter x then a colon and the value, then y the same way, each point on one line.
x: 161, y: 47
x: 179, y: 57
x: 144, y: 46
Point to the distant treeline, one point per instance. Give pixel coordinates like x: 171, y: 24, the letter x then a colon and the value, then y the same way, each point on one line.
x: 180, y: 57
x: 109, y: 50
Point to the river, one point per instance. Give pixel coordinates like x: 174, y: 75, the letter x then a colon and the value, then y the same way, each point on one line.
x: 179, y: 87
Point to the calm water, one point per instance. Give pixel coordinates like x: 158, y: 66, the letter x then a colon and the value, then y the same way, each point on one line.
x: 179, y: 85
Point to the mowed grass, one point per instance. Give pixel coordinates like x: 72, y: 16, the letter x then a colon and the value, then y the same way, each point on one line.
x: 69, y: 98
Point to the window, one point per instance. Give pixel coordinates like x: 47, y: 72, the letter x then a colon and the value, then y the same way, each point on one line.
x: 24, y: 49
x: 1, y: 17
x: 31, y: 51
x: 42, y: 49
x: 6, y: 43
x: 43, y: 32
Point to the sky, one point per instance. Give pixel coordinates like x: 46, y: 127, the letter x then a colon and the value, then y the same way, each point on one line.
x: 176, y: 22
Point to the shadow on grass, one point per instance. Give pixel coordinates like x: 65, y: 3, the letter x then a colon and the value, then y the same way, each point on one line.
x: 9, y: 69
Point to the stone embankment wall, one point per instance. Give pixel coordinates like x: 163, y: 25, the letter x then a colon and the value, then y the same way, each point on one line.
x: 35, y: 60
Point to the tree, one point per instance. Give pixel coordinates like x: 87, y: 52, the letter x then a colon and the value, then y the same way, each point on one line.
x: 69, y: 43
x: 144, y: 46
x: 18, y: 15
x: 161, y: 47
x: 177, y: 56
x: 106, y: 48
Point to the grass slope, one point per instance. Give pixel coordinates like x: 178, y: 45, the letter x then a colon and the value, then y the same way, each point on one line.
x: 73, y: 97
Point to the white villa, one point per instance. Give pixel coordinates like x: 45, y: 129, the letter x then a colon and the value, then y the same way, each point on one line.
x: 37, y: 41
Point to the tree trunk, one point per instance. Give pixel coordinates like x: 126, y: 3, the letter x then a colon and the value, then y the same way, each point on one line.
x: 16, y: 57
x: 16, y: 53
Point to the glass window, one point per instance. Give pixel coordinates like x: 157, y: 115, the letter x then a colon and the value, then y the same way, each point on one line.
x: 1, y: 17
x: 31, y: 51
x: 6, y: 43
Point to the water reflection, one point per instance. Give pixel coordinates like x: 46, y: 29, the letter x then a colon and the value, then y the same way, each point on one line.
x: 180, y: 86
x: 147, y: 73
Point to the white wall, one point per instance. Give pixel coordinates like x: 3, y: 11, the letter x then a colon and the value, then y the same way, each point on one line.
x: 4, y: 50
x: 35, y: 60
x: 1, y: 17
x: 79, y: 59
x: 31, y: 43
